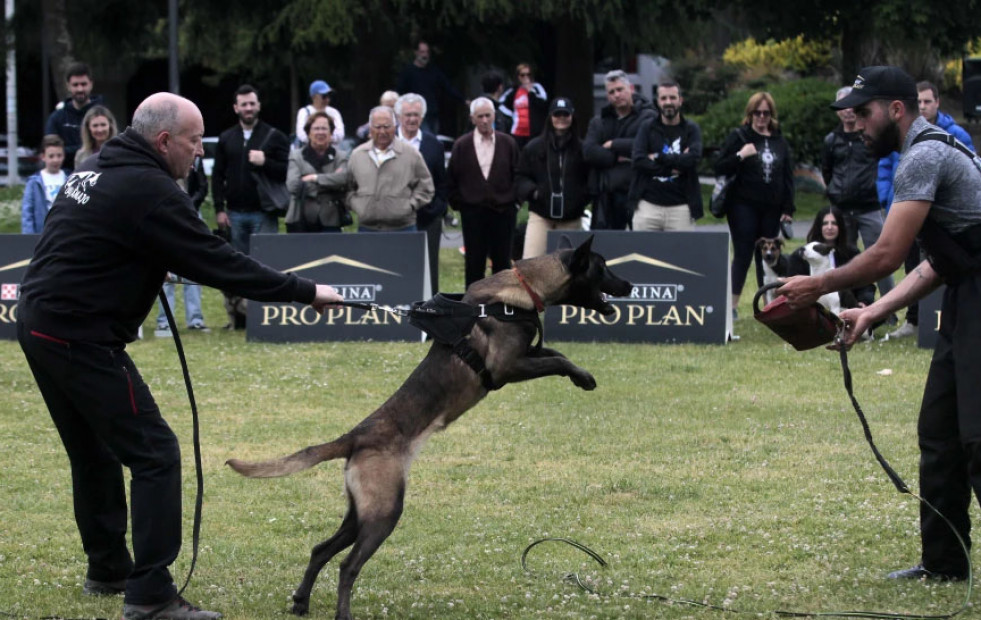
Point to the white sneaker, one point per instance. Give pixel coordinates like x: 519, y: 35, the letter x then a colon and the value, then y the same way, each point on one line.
x: 162, y: 331
x: 905, y: 330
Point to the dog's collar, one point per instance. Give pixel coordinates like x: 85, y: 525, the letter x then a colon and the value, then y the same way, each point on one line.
x: 539, y: 306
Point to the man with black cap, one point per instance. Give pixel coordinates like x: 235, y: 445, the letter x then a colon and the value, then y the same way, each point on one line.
x: 937, y: 185
x: 666, y: 153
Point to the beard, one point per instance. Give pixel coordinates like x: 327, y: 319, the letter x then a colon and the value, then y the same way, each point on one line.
x: 669, y: 112
x: 885, y: 143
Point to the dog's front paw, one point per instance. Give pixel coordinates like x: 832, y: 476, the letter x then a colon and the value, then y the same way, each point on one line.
x: 583, y: 380
x: 300, y: 608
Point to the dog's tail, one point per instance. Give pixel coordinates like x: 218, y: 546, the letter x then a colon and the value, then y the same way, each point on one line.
x: 304, y: 459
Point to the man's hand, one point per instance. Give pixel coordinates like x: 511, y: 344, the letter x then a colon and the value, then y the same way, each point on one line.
x: 221, y: 218
x: 257, y: 158
x: 800, y: 291
x: 857, y: 321
x: 326, y: 297
x: 608, y: 144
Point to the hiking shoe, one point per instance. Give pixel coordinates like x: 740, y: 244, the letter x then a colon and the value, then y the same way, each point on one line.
x: 177, y: 609
x: 904, y: 331
x: 918, y: 572
x: 91, y: 587
x: 163, y: 331
x: 201, y: 327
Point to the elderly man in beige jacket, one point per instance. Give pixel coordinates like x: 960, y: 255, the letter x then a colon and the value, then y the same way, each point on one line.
x: 389, y: 180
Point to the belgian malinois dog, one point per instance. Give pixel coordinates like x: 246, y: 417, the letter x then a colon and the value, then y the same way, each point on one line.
x: 380, y: 450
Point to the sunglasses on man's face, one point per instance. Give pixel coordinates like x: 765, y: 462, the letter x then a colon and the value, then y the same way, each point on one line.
x: 524, y: 74
x: 562, y: 114
x: 761, y: 113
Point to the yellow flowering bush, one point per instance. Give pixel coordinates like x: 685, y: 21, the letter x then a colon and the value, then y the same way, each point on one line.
x: 772, y: 57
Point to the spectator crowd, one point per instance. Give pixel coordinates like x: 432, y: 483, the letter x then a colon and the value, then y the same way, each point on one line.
x: 633, y: 167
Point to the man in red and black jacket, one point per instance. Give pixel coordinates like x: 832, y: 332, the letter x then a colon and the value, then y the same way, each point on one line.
x: 480, y: 183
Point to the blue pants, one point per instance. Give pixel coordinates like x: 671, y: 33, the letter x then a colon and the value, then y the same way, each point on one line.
x: 248, y: 223
x: 192, y: 305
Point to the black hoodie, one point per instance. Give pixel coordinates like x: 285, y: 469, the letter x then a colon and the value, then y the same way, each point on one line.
x: 612, y: 171
x: 118, y: 225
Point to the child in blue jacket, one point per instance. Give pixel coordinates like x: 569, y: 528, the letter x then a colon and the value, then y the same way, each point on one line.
x: 43, y: 186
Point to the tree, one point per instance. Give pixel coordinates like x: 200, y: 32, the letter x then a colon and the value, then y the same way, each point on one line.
x: 913, y: 35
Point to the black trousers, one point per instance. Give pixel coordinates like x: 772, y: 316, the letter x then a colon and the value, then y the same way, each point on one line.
x: 434, y: 231
x: 912, y: 260
x: 487, y: 233
x: 107, y: 418
x: 950, y: 429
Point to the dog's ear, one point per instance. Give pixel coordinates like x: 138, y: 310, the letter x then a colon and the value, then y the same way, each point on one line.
x: 779, y: 242
x: 565, y: 243
x: 580, y: 258
x: 760, y: 242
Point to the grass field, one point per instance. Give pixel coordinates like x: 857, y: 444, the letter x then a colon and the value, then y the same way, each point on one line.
x: 736, y: 476
x: 733, y: 475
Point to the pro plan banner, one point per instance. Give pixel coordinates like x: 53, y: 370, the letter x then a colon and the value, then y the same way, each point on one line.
x: 15, y: 254
x: 929, y: 317
x: 383, y: 268
x: 680, y: 289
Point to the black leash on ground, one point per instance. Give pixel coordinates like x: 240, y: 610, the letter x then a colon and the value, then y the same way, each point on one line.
x: 198, y: 467
x: 901, y: 486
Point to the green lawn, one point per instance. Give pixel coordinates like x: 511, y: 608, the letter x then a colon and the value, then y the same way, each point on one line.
x: 733, y: 475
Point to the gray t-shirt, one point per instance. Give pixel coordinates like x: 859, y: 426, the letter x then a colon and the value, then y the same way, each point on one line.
x: 940, y: 174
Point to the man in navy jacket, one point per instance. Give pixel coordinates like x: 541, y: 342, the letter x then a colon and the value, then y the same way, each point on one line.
x: 410, y: 109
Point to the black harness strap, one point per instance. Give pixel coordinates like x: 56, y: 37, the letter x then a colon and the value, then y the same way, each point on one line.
x: 953, y: 256
x: 449, y: 320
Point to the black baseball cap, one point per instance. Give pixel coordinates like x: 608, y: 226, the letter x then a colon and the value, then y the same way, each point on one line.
x: 883, y: 82
x: 561, y: 104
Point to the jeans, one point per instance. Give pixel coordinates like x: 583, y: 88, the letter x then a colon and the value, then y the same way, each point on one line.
x: 248, y: 223
x: 192, y: 305
x: 869, y: 225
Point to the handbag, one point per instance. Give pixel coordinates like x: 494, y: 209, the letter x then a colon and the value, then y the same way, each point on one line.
x: 274, y: 198
x: 717, y: 206
x: 723, y: 183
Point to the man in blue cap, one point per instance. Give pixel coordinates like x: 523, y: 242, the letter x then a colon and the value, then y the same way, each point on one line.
x: 319, y: 102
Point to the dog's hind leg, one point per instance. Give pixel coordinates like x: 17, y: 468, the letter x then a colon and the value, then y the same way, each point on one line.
x: 377, y: 485
x: 343, y: 538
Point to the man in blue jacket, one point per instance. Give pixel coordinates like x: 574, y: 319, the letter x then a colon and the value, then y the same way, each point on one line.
x: 928, y: 99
